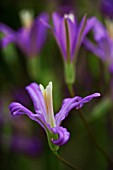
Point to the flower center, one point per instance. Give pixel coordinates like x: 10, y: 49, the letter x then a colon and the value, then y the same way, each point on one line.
x: 47, y: 94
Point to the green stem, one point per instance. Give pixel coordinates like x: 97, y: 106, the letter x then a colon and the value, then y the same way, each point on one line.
x: 71, y: 90
x: 69, y: 73
x: 65, y: 162
x: 33, y: 67
x: 92, y: 137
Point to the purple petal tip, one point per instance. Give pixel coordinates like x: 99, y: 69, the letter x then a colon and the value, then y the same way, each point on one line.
x: 97, y: 94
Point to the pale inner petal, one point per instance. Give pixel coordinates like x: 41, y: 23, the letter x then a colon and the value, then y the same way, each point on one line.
x: 70, y: 16
x: 47, y: 93
x: 26, y: 17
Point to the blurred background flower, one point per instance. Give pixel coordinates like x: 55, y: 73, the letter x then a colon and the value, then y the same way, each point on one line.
x: 30, y: 38
x: 103, y: 48
x: 106, y: 7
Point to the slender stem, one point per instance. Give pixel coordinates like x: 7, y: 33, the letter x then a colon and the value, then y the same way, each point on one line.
x: 92, y: 137
x: 71, y: 90
x: 65, y: 162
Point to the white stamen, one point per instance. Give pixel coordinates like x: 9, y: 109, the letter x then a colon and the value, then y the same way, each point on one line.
x: 26, y: 17
x: 70, y: 16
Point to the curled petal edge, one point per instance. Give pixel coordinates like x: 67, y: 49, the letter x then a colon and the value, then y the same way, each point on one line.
x: 63, y: 135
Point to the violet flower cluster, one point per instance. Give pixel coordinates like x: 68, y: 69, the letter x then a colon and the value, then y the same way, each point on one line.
x: 30, y: 38
x: 103, y: 46
x: 44, y: 114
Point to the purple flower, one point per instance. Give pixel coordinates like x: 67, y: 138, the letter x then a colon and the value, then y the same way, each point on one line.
x: 103, y: 46
x: 69, y: 34
x: 44, y: 114
x: 29, y: 39
x: 107, y: 8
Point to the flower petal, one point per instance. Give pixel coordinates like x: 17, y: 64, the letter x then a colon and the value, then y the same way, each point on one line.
x: 70, y: 103
x: 103, y: 48
x: 57, y: 29
x: 18, y: 109
x: 23, y: 39
x: 94, y: 48
x: 7, y: 40
x: 84, y: 27
x: 61, y: 36
x: 56, y: 22
x: 86, y: 100
x: 37, y: 98
x: 103, y: 39
x: 38, y: 34
x: 5, y: 29
x: 60, y: 31
x: 63, y: 135
x: 9, y: 35
x: 89, y: 25
x: 78, y: 38
x: 72, y: 27
x: 63, y: 113
x: 99, y: 31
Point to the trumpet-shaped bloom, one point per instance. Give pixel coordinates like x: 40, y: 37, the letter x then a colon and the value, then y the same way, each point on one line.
x: 103, y: 46
x: 68, y: 33
x: 44, y: 113
x: 30, y: 39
